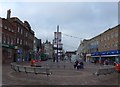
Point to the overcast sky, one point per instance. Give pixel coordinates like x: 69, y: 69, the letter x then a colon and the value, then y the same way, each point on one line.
x: 78, y: 19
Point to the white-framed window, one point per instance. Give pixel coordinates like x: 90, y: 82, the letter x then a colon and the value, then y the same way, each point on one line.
x: 108, y: 37
x: 12, y: 30
x: 4, y: 39
x: 104, y: 38
x: 21, y: 42
x: 12, y: 41
x: 5, y: 27
x: 17, y: 40
x: 101, y: 39
x: 113, y: 44
x: 112, y: 35
x: 108, y: 45
x: 9, y: 29
x: 21, y: 31
x: 116, y: 34
x: 116, y: 44
x: 8, y: 42
x: 1, y: 25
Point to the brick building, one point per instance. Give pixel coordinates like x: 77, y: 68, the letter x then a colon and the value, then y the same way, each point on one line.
x: 104, y: 46
x: 108, y: 45
x: 8, y: 40
x: 17, y: 39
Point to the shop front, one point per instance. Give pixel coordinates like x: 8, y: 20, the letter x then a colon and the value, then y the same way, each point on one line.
x: 111, y: 56
x: 8, y: 52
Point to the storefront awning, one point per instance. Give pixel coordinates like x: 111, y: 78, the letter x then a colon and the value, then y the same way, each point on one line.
x: 106, y: 53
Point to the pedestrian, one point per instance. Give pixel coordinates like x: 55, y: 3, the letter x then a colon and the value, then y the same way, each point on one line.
x: 95, y: 61
x: 114, y: 63
x: 82, y: 65
x: 76, y: 63
x: 106, y: 62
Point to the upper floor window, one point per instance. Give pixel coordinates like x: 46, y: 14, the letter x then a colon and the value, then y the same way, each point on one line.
x: 116, y: 44
x: 9, y: 29
x: 21, y: 42
x: 0, y: 25
x: 108, y: 37
x: 113, y: 44
x: 101, y: 39
x: 112, y: 35
x: 18, y: 29
x: 12, y: 30
x: 21, y: 31
x: 26, y: 34
x: 5, y: 27
x: 104, y: 38
x: 17, y: 40
x: 0, y: 38
x: 116, y: 34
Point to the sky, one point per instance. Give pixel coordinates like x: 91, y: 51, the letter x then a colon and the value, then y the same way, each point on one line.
x: 83, y: 20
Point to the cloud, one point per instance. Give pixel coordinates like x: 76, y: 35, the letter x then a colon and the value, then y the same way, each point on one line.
x: 80, y: 19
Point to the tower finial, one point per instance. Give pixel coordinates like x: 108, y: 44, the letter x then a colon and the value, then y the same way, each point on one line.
x: 57, y: 28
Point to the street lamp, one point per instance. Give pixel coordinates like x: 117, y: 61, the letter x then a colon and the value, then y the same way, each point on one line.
x: 57, y: 41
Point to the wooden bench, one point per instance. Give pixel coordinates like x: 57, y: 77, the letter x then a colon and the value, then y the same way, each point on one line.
x: 29, y: 69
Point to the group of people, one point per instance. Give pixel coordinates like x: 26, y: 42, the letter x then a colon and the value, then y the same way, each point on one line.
x: 105, y: 62
x: 78, y: 65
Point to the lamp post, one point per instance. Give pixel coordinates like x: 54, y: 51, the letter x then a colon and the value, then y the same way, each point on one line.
x: 57, y: 41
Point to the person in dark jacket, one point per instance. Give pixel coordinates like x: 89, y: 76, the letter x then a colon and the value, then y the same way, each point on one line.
x: 76, y: 63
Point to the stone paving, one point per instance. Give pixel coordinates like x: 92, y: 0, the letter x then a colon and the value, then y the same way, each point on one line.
x: 60, y: 75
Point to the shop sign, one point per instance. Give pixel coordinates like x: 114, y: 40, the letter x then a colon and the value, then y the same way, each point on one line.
x: 4, y: 45
x: 8, y: 46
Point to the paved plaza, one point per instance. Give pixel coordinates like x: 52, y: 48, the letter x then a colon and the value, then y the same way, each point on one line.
x: 63, y: 73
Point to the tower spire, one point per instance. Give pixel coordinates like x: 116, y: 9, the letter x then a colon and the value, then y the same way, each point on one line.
x: 57, y: 28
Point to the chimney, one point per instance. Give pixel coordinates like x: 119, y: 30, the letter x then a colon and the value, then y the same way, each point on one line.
x: 8, y: 13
